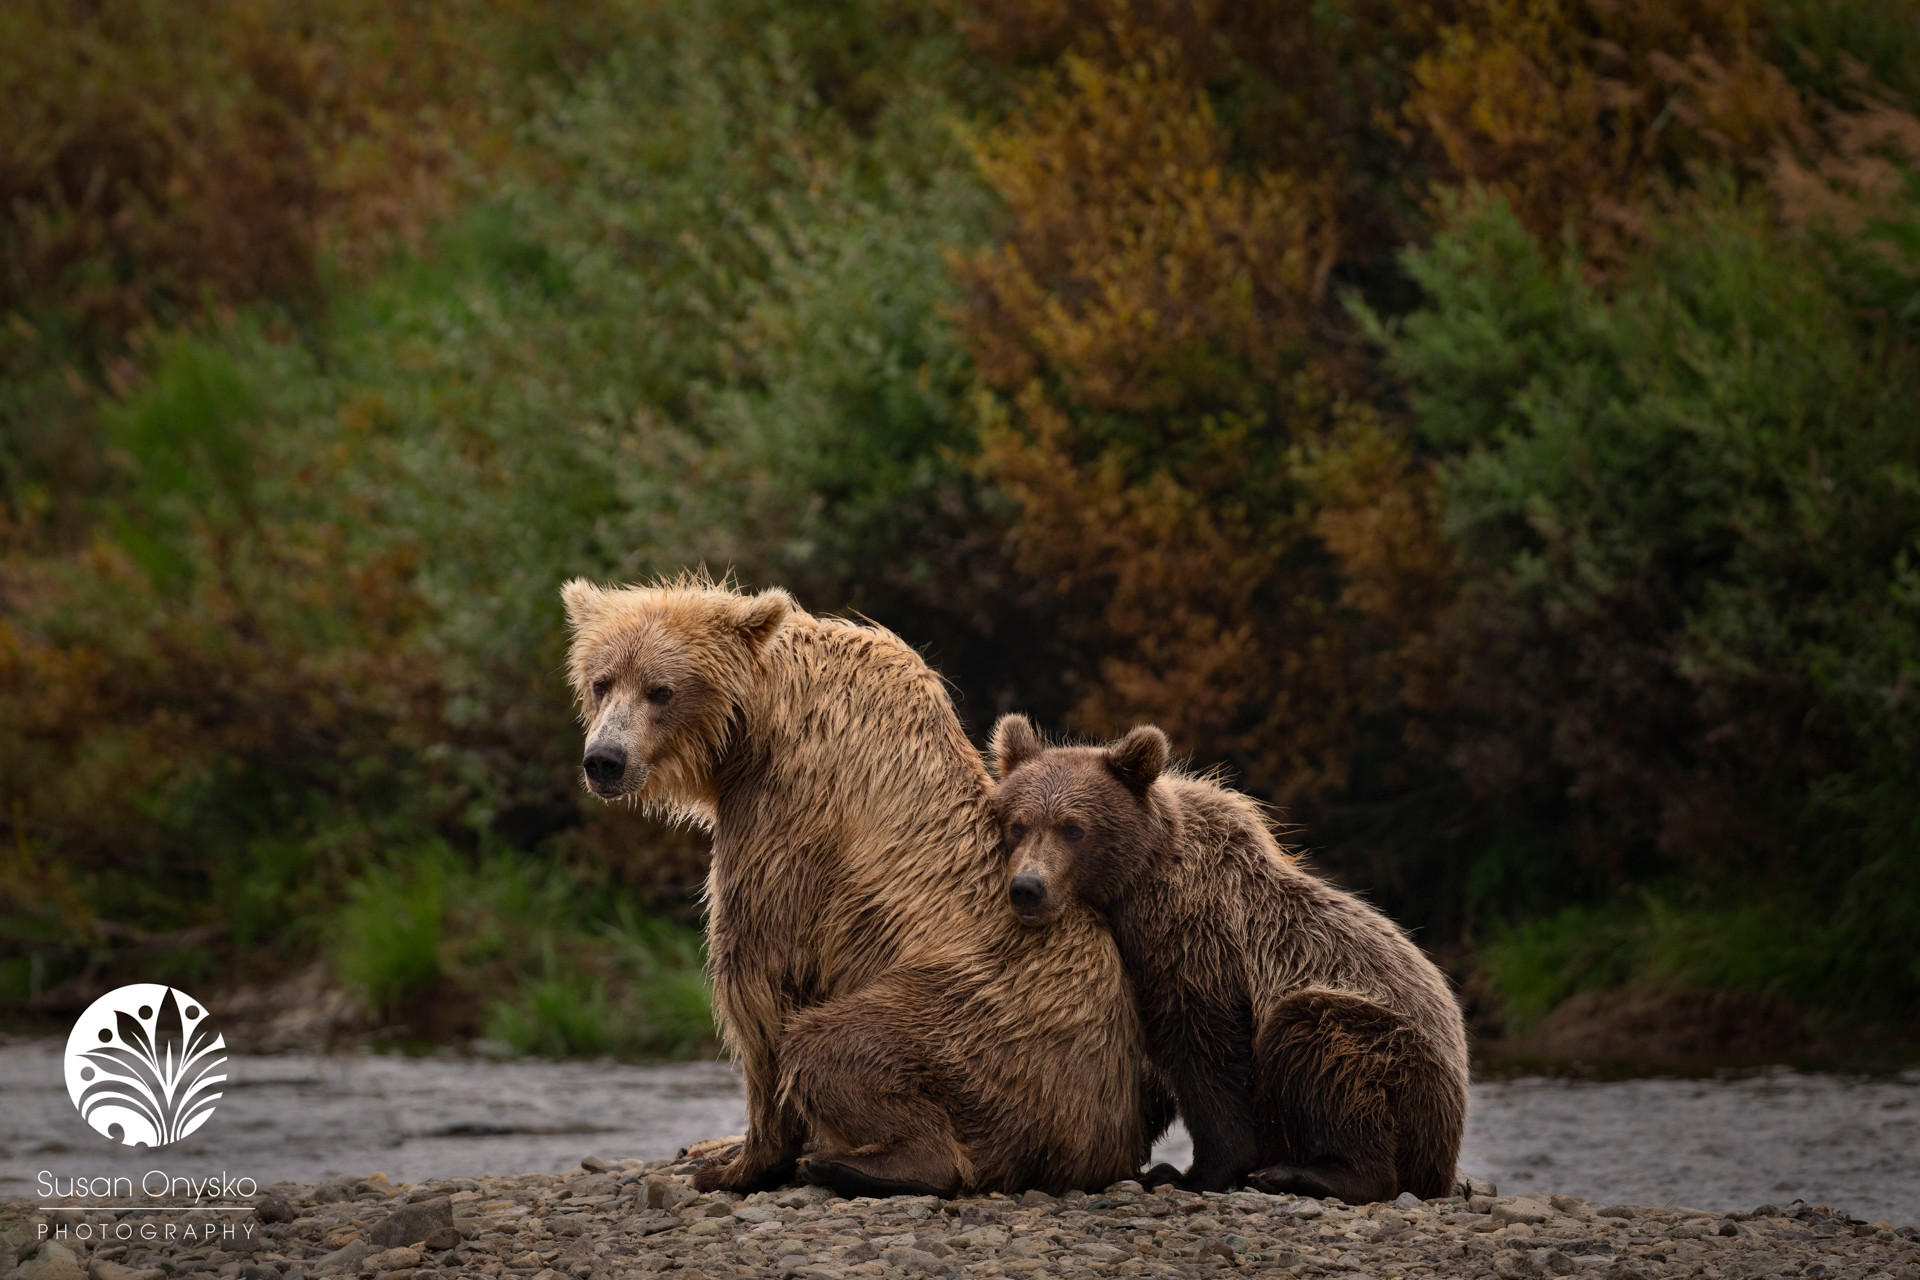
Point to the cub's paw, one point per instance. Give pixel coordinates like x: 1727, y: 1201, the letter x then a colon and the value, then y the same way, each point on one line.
x: 1161, y: 1174
x: 1286, y: 1179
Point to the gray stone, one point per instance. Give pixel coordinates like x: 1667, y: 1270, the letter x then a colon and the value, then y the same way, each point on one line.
x: 443, y: 1238
x: 594, y: 1164
x: 1531, y: 1212
x: 1550, y: 1262
x: 102, y: 1269
x: 668, y: 1193
x: 274, y: 1209
x: 346, y: 1258
x: 914, y: 1262
x: 393, y: 1260
x: 247, y: 1238
x: 51, y: 1267
x: 412, y: 1223
x: 1408, y: 1200
x: 1509, y: 1264
x: 755, y: 1215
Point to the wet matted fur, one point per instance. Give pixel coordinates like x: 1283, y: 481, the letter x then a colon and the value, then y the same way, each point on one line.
x: 898, y: 1028
x: 1311, y: 1046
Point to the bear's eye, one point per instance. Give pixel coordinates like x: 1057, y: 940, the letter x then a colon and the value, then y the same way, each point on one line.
x: 600, y: 688
x: 1073, y: 833
x: 662, y: 695
x: 1016, y: 833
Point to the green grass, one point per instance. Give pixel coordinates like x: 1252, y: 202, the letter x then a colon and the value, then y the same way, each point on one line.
x: 1654, y: 940
x: 558, y: 962
x: 390, y: 931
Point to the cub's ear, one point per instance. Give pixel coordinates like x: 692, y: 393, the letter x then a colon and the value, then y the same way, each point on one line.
x: 1138, y: 758
x: 583, y: 600
x: 1013, y: 744
x: 758, y: 617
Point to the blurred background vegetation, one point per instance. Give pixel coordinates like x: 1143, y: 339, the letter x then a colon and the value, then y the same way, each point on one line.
x: 1490, y: 428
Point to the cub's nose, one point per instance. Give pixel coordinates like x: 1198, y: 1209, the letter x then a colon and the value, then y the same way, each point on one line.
x: 606, y: 763
x: 1026, y: 893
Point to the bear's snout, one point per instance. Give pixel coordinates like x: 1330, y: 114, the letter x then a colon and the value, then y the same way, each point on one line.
x: 1028, y: 893
x: 606, y: 764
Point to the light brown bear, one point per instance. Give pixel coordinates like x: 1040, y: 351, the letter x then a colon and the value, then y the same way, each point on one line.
x: 1312, y: 1048
x: 899, y: 1030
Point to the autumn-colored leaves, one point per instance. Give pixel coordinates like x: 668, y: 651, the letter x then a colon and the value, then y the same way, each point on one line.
x: 1409, y: 406
x: 1243, y: 522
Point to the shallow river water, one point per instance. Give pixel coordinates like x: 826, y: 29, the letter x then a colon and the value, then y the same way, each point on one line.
x: 1730, y: 1142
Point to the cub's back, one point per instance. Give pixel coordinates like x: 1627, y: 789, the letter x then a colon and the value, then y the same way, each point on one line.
x: 1293, y: 929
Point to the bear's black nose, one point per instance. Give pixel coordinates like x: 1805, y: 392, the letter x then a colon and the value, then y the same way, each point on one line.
x: 1026, y: 893
x: 606, y: 763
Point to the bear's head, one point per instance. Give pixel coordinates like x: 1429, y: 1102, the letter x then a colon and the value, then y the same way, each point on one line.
x: 1078, y: 822
x: 659, y: 672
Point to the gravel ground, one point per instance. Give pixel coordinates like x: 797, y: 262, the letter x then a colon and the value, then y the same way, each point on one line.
x: 610, y: 1221
x: 1726, y: 1141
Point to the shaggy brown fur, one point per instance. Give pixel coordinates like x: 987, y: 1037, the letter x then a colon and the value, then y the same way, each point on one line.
x: 898, y: 1028
x: 1312, y: 1047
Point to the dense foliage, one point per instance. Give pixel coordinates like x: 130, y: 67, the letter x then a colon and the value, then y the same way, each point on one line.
x: 1488, y: 429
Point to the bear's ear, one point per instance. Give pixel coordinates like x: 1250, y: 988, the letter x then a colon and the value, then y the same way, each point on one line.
x: 1013, y: 744
x: 1138, y: 758
x: 758, y: 617
x: 583, y: 601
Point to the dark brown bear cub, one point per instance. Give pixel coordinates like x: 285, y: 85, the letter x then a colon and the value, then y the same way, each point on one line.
x: 1312, y: 1047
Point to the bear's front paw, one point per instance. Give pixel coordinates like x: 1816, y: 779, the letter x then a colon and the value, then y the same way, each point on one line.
x: 740, y: 1174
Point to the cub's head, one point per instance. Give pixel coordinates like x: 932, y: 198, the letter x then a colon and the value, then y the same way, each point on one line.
x: 1078, y: 822
x: 659, y: 672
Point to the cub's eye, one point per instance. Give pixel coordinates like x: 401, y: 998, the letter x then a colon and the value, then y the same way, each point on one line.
x: 600, y: 688
x: 1016, y: 833
x: 662, y: 695
x: 1073, y: 833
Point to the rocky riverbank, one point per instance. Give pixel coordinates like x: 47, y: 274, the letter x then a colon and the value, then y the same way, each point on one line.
x: 608, y: 1221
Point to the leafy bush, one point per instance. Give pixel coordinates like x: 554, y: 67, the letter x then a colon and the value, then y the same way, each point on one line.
x: 314, y: 617
x: 1686, y: 524
x: 1029, y: 332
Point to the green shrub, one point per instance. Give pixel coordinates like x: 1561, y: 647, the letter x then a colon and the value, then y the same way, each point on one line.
x: 315, y: 618
x: 1653, y: 941
x: 1685, y: 511
x: 390, y: 930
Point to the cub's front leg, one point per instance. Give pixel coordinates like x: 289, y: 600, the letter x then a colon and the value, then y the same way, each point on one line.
x: 1221, y: 1122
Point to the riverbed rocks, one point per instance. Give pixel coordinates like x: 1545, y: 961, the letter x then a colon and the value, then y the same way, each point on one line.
x: 632, y: 1220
